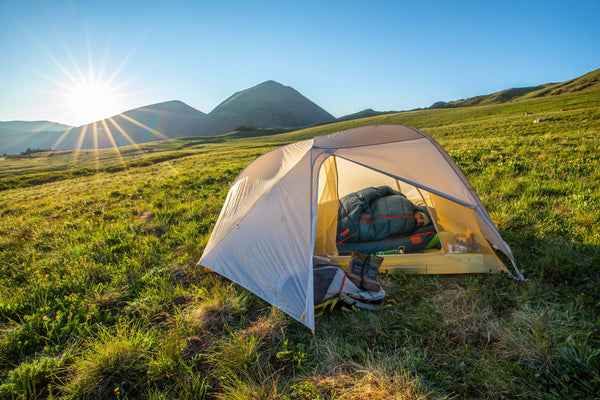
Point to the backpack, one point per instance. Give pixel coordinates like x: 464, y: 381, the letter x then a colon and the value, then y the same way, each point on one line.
x: 331, y: 285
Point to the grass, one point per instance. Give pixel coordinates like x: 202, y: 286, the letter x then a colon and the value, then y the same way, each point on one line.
x: 100, y: 295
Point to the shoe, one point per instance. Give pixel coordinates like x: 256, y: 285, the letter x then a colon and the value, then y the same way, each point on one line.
x: 355, y: 268
x: 370, y: 279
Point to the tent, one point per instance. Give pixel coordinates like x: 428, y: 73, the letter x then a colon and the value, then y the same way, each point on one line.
x: 282, y: 208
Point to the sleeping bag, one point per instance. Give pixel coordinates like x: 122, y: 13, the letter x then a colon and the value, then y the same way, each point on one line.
x: 376, y: 215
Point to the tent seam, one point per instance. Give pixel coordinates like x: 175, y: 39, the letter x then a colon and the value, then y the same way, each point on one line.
x: 451, y: 198
x: 258, y: 200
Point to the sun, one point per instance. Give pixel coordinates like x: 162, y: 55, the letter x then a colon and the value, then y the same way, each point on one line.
x: 90, y: 100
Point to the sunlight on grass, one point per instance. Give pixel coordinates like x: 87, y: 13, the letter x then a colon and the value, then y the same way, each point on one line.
x: 115, y: 363
x: 372, y: 384
x: 100, y: 294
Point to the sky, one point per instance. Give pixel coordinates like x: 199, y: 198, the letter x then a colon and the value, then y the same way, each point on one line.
x: 76, y: 62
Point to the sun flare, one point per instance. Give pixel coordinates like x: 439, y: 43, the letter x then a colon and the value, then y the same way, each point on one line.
x: 90, y: 101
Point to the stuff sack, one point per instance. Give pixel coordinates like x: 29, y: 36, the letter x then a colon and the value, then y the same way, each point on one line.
x: 332, y: 285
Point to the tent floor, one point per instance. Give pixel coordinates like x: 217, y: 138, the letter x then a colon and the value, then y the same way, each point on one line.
x: 434, y: 263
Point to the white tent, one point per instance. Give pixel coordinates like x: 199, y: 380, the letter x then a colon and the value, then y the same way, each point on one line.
x: 282, y: 208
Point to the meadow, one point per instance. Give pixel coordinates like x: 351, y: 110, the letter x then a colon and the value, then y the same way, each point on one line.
x: 101, y: 297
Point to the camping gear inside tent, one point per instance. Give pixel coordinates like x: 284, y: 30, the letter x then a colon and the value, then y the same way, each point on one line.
x: 283, y: 208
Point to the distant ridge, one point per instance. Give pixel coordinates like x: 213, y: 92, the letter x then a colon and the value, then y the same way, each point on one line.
x: 369, y: 112
x: 17, y: 136
x: 32, y: 126
x: 167, y: 120
x: 267, y: 108
x: 589, y: 81
x: 267, y: 105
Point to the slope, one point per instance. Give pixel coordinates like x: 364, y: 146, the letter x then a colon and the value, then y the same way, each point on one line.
x: 587, y: 82
x: 159, y: 121
x: 16, y: 136
x: 267, y: 105
x: 19, y: 171
x: 141, y: 125
x: 32, y: 126
x: 100, y: 296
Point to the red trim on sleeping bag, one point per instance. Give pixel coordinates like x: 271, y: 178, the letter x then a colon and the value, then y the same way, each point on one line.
x: 342, y: 241
x: 387, y: 216
x: 415, y: 239
x: 387, y: 240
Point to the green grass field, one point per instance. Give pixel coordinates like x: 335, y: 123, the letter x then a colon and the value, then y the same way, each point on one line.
x: 100, y: 295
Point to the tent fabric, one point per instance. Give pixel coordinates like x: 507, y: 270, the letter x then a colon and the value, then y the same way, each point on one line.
x: 282, y: 208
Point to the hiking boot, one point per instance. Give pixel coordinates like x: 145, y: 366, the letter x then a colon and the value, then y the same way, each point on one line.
x: 355, y: 267
x: 370, y: 279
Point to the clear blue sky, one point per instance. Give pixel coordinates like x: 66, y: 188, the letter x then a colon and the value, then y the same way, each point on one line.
x: 343, y: 55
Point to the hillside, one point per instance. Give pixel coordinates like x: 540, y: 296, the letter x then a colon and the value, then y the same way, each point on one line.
x: 42, y: 167
x: 101, y: 297
x: 32, y: 126
x: 369, y: 112
x: 15, y: 142
x: 267, y: 105
x: 141, y: 125
x: 587, y: 82
x: 16, y: 136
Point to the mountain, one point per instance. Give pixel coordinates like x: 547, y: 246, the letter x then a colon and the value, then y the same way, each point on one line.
x: 589, y: 81
x: 16, y: 136
x: 160, y: 121
x: 266, y: 108
x: 267, y: 105
x: 369, y: 112
x: 32, y: 126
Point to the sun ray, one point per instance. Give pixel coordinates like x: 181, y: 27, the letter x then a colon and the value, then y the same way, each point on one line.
x: 129, y: 139
x: 48, y: 54
x: 38, y: 73
x: 92, y: 94
x: 109, y: 41
x: 62, y: 137
x: 89, y: 54
x: 124, y: 94
x: 144, y: 126
x: 112, y: 140
x: 79, y: 143
x: 20, y: 141
x: 94, y: 134
x: 140, y: 91
x: 127, y: 57
x: 96, y: 150
x: 69, y: 54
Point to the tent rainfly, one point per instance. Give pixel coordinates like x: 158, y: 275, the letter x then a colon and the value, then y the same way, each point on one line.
x: 283, y: 207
